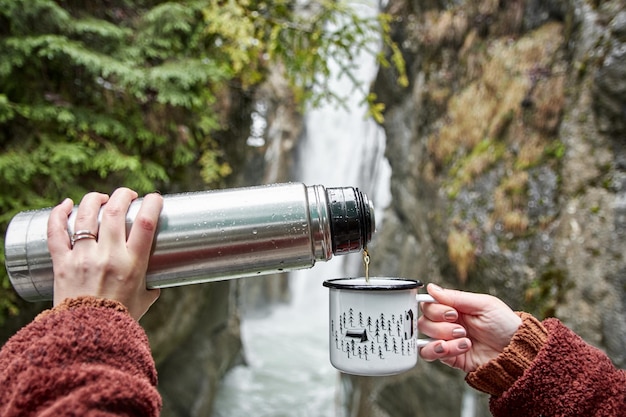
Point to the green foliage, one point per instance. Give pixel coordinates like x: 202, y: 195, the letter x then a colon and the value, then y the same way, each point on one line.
x: 94, y: 96
x: 308, y: 42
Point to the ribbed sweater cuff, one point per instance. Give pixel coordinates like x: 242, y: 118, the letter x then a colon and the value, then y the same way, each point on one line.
x: 499, y: 374
x: 84, y: 301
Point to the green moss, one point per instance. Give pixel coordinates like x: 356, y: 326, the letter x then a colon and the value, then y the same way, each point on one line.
x: 555, y: 150
x: 482, y: 157
x: 545, y: 293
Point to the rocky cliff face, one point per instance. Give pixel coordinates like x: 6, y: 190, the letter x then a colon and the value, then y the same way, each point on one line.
x: 509, y: 172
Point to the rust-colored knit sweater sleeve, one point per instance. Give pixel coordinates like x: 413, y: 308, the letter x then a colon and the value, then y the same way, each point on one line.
x: 548, y: 370
x: 85, y: 357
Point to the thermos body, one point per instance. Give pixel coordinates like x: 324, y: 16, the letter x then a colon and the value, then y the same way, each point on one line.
x: 216, y: 235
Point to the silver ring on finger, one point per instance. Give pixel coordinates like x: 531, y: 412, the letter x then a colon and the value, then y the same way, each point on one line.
x: 83, y: 234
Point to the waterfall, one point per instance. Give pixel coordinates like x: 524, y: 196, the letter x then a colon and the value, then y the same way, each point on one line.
x: 288, y: 371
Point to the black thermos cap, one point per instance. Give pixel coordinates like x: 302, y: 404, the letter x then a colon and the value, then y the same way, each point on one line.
x: 352, y: 219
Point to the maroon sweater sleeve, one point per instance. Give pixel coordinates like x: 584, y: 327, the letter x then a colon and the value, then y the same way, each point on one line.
x: 85, y: 357
x: 568, y: 377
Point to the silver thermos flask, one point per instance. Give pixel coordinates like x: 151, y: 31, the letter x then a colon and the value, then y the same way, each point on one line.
x: 216, y: 235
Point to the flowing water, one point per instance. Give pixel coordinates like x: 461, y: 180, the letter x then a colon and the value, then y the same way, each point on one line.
x: 288, y: 371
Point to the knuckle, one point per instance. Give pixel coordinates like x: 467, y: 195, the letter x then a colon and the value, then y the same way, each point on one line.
x: 145, y: 223
x: 111, y: 210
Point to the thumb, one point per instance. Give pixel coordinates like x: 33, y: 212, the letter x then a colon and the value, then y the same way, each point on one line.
x: 462, y: 301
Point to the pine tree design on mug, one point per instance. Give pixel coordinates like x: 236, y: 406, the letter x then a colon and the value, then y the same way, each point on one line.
x: 362, y: 337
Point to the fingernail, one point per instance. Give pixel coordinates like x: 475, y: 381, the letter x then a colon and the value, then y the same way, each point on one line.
x: 435, y: 287
x: 439, y: 348
x: 458, y: 333
x: 463, y: 345
x: 451, y: 315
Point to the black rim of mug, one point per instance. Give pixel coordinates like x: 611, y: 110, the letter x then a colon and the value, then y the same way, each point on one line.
x: 388, y: 284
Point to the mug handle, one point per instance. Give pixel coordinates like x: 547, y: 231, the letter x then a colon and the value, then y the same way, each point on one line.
x: 424, y: 298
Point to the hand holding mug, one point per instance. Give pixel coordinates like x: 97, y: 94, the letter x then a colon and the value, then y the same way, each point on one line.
x: 489, y: 325
x: 100, y: 259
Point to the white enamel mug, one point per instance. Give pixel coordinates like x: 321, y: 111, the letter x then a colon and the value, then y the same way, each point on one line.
x: 373, y: 324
